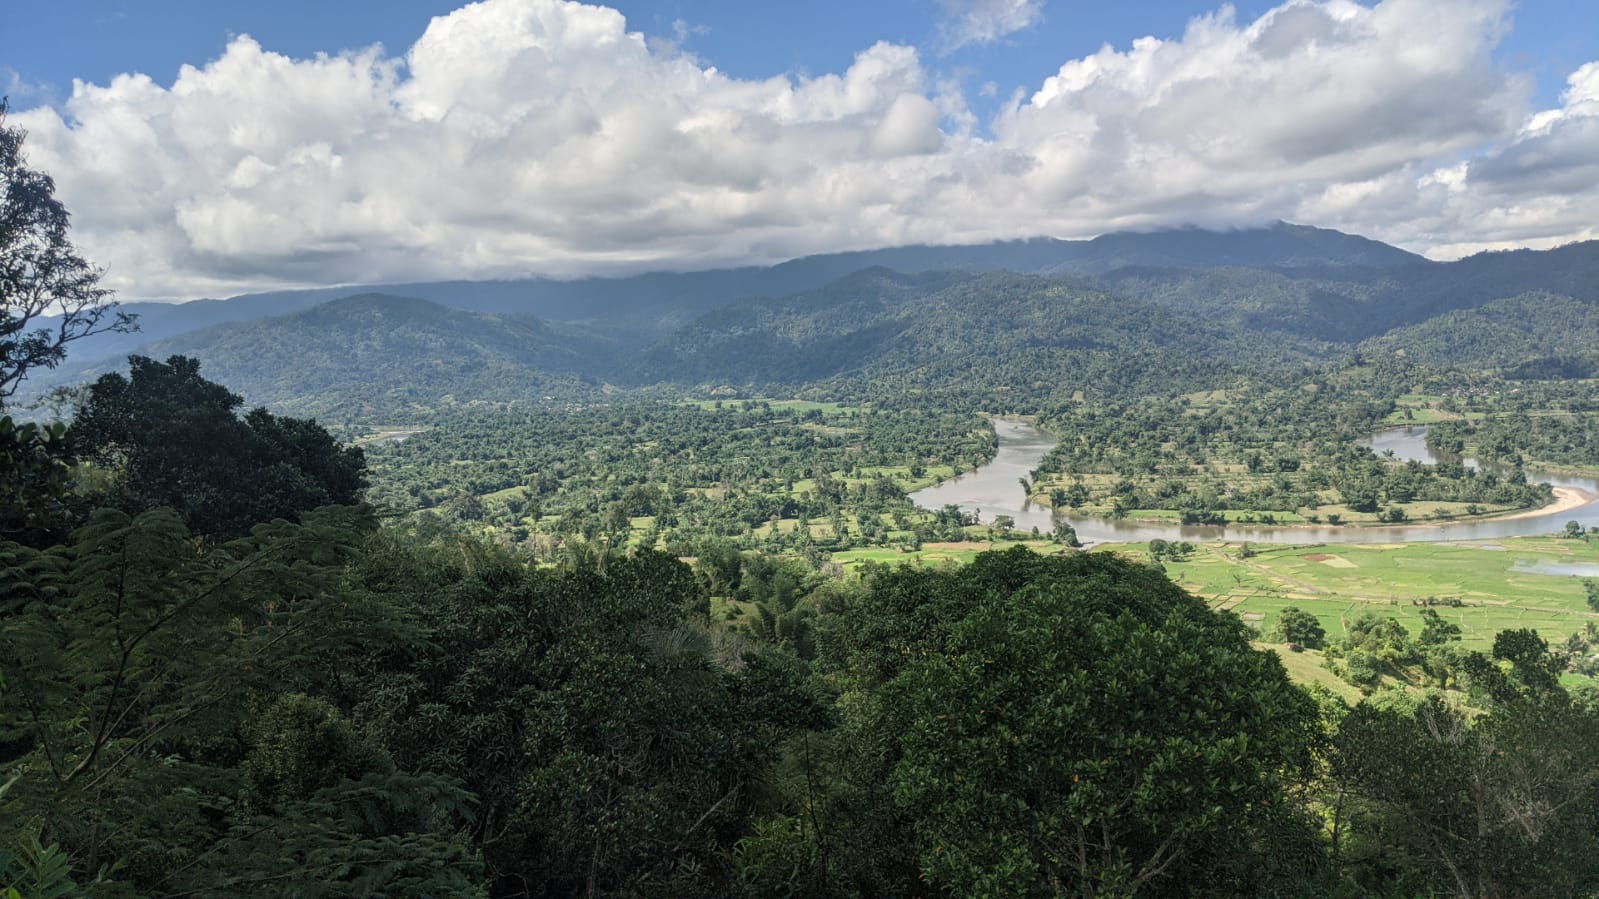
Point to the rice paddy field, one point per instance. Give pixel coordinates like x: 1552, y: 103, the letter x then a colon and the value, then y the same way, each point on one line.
x: 1532, y: 582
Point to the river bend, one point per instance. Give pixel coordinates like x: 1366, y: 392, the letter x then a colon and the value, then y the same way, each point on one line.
x: 994, y: 489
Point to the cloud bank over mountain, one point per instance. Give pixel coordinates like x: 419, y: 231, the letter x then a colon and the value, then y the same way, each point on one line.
x: 538, y: 136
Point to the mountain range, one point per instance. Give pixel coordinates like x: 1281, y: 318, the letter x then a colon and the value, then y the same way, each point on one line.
x: 913, y: 315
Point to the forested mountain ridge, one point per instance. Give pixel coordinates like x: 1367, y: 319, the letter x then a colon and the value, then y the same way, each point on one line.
x: 391, y: 358
x: 649, y: 306
x: 1334, y: 308
x: 1531, y: 329
x: 798, y: 338
x: 1284, y: 295
x: 938, y: 330
x: 1350, y: 303
x: 1281, y: 245
x: 375, y: 354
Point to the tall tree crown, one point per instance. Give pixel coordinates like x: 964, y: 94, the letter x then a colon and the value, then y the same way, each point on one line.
x: 49, y: 294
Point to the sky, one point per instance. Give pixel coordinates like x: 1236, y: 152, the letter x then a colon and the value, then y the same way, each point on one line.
x: 209, y: 148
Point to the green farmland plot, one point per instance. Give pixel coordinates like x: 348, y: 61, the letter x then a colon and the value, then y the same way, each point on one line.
x: 1483, y: 587
x: 956, y: 553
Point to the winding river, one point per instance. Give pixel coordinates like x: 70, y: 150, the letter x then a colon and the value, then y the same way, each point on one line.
x: 994, y: 490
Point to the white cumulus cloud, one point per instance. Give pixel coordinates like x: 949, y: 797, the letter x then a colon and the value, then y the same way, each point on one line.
x: 540, y: 136
x: 1540, y: 188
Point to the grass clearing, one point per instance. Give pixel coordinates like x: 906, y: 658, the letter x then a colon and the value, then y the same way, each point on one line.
x: 797, y: 406
x: 1309, y: 667
x: 934, y: 553
x: 1479, y: 587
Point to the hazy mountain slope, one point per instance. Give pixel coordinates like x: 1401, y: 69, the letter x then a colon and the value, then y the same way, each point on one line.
x: 1413, y: 294
x: 942, y: 328
x: 799, y: 338
x: 1347, y: 304
x: 643, y: 308
x: 1279, y: 246
x: 377, y: 356
x: 159, y: 321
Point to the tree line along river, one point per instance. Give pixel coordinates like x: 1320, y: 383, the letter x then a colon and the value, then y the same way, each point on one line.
x: 993, y: 490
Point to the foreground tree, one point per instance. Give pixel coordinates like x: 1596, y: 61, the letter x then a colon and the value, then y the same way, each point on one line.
x: 1032, y: 726
x: 1108, y: 730
x: 41, y: 273
x: 610, y: 753
x: 142, y: 668
x: 35, y: 480
x: 165, y: 436
x: 1500, y: 804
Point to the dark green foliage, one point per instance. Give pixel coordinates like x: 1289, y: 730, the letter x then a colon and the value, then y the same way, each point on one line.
x: 171, y: 438
x: 1295, y: 625
x: 382, y: 835
x: 1497, y: 806
x: 1361, y: 668
x: 1164, y: 549
x: 1374, y: 646
x: 29, y: 870
x: 608, y: 751
x: 1512, y: 439
x: 301, y: 745
x: 1012, y: 726
x: 134, y: 655
x: 1435, y: 630
x: 35, y: 479
x: 1533, y: 670
x: 1015, y: 729
x: 330, y: 815
x: 1066, y: 535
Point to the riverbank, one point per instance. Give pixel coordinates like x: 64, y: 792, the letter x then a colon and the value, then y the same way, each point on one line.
x: 1567, y: 499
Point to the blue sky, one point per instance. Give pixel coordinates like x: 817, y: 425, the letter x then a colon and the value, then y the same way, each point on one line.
x: 534, y: 136
x: 48, y: 44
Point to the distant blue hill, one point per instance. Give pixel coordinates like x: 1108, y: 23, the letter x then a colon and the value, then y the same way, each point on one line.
x: 645, y: 307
